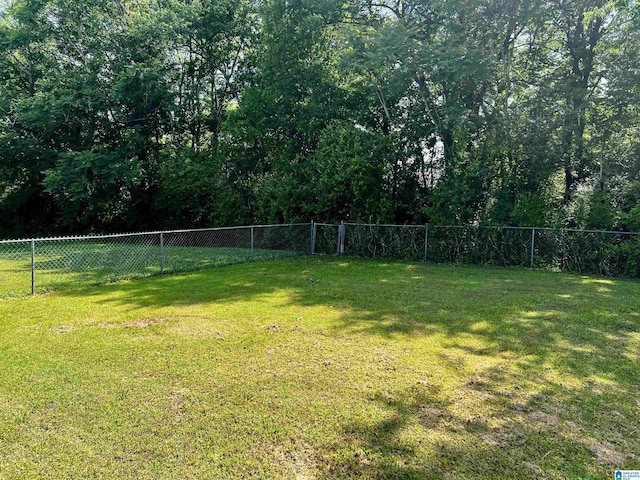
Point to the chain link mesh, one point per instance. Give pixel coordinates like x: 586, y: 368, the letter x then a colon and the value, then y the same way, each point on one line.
x: 280, y: 241
x: 184, y: 251
x: 89, y: 261
x: 62, y: 263
x: 326, y: 238
x: 65, y: 262
x: 15, y: 268
x: 581, y: 251
x: 194, y: 250
x: 405, y: 242
x: 504, y: 247
x: 591, y: 252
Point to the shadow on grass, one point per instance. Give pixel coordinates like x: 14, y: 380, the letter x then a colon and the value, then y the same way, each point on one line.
x: 586, y: 323
x: 530, y: 443
x: 561, y: 385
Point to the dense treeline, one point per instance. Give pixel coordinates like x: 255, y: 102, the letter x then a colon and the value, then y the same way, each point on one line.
x: 133, y: 114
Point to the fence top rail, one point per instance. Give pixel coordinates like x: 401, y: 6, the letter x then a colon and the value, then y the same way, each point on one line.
x: 5, y: 242
x: 406, y: 225
x: 495, y: 227
x: 615, y: 232
x: 142, y: 234
x: 214, y: 229
x: 548, y: 229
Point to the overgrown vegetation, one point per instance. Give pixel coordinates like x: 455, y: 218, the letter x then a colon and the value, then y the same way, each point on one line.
x: 139, y: 114
x: 324, y: 369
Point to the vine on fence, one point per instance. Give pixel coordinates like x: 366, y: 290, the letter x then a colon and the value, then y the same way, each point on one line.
x: 589, y: 252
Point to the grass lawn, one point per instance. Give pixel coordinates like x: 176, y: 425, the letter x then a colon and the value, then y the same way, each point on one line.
x: 316, y: 368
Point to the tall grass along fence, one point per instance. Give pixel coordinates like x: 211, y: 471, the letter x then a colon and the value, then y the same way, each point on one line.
x: 45, y: 264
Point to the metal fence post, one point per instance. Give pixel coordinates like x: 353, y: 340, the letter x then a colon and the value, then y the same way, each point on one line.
x: 33, y: 267
x: 426, y: 240
x: 252, y: 242
x: 161, y: 253
x: 312, y: 241
x: 533, y: 245
x: 342, y: 235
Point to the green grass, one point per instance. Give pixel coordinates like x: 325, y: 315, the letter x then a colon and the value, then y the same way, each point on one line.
x: 63, y: 265
x: 315, y: 368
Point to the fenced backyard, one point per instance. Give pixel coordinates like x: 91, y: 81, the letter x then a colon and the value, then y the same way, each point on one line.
x: 40, y: 265
x: 325, y: 366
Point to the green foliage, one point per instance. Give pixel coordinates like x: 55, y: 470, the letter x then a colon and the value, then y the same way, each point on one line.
x: 404, y: 111
x: 93, y: 185
x: 348, y: 175
x: 530, y: 210
x: 602, y: 214
x: 632, y: 219
x: 195, y: 186
x: 459, y: 196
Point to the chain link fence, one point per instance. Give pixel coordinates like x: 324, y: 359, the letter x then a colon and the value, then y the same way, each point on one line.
x: 47, y: 264
x: 324, y: 238
x: 504, y: 247
x: 583, y: 251
x: 406, y: 242
x: 15, y: 268
x: 41, y: 265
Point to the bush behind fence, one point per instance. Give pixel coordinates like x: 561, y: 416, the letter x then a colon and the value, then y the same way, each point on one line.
x: 40, y: 265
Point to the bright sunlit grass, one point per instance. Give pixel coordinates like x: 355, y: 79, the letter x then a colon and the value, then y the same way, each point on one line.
x: 315, y: 368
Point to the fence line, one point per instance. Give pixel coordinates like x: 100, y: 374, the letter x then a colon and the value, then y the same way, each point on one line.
x: 157, y: 232
x: 494, y: 227
x: 603, y: 252
x: 42, y: 264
